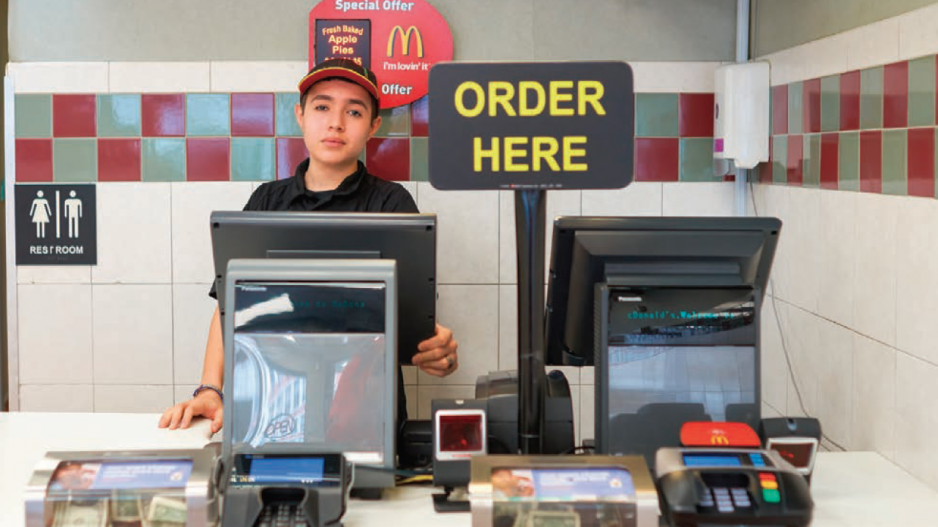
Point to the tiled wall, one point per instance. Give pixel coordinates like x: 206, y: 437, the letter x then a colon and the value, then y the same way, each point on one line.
x: 129, y: 333
x: 171, y: 137
x: 853, y: 294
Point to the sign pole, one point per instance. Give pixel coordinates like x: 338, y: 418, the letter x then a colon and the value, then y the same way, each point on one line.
x: 532, y: 391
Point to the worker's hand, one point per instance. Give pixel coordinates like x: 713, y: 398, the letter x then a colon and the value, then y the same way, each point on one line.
x: 206, y: 404
x: 438, y: 354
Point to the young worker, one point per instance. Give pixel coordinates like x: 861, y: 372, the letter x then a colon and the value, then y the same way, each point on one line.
x: 338, y: 114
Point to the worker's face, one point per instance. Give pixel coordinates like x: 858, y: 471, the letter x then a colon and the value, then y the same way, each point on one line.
x: 336, y: 122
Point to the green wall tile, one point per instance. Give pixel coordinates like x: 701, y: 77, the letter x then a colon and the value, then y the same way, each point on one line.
x: 656, y: 115
x: 871, y: 98
x: 895, y: 179
x: 33, y: 113
x: 119, y: 115
x: 208, y: 114
x: 164, y: 159
x: 848, y: 161
x: 419, y: 160
x: 74, y: 160
x: 252, y: 158
x: 285, y: 115
x: 395, y: 122
x: 811, y: 164
x: 795, y: 111
x: 697, y: 159
x: 922, y: 91
x: 779, y: 159
x: 830, y: 103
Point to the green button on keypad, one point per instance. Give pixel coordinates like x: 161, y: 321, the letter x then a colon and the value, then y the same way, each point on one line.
x: 771, y: 495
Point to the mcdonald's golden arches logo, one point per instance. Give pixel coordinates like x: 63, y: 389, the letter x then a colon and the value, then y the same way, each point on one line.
x: 719, y: 440
x: 412, y: 31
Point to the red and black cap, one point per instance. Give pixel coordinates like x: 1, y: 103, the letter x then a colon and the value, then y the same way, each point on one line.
x: 346, y: 69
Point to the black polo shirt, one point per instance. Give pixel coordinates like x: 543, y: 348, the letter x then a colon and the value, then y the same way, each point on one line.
x: 359, y: 192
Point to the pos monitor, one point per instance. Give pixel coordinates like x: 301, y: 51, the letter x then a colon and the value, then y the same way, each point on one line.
x: 668, y: 311
x: 409, y: 239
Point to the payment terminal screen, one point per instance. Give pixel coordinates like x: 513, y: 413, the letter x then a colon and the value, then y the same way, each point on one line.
x: 289, y: 469
x: 710, y: 460
x: 123, y: 475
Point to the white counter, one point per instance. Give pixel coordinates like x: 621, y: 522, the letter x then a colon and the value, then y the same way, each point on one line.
x: 855, y: 489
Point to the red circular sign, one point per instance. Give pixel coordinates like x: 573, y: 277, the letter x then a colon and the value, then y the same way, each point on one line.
x: 399, y: 40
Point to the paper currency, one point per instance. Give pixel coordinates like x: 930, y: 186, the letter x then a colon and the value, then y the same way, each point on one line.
x: 72, y: 514
x: 539, y: 518
x: 166, y: 510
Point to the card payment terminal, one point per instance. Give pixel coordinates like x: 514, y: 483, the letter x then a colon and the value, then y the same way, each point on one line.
x: 701, y: 486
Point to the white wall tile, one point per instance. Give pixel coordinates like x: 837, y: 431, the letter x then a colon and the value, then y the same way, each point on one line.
x: 55, y: 338
x: 917, y: 277
x: 133, y: 334
x: 670, y: 77
x: 467, y: 234
x: 587, y: 375
x: 916, y: 418
x: 192, y: 205
x: 785, y: 66
x: 873, y: 44
x: 410, y: 392
x: 828, y: 56
x: 637, y: 199
x: 802, y: 342
x: 769, y: 411
x: 409, y: 374
x: 835, y: 392
x: 559, y: 203
x: 918, y: 32
x: 251, y: 76
x: 156, y: 77
x: 775, y: 372
x: 56, y: 398
x: 471, y: 311
x: 53, y: 274
x: 183, y: 392
x: 837, y: 268
x: 426, y: 395
x: 874, y: 312
x: 411, y: 187
x: 133, y: 399
x: 133, y: 234
x: 508, y: 327
x: 874, y: 398
x: 59, y: 77
x: 587, y: 413
x: 192, y: 314
x: 699, y: 199
x: 802, y: 257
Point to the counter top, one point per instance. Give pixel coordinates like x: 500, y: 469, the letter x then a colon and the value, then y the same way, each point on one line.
x: 850, y: 489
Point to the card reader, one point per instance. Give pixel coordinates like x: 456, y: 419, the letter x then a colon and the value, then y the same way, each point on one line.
x: 701, y: 486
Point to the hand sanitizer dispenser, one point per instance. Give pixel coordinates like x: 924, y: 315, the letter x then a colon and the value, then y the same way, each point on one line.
x: 741, y: 114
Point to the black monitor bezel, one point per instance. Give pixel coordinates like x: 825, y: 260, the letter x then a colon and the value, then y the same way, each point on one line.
x: 407, y: 238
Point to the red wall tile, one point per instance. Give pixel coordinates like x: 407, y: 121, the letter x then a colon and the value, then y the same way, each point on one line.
x: 657, y: 158
x: 829, y: 154
x: 696, y: 115
x: 794, y: 166
x: 73, y: 115
x: 420, y: 117
x: 921, y: 162
x: 33, y: 160
x: 252, y: 114
x: 163, y: 115
x: 291, y: 151
x: 118, y: 160
x: 389, y: 158
x: 811, y: 106
x: 896, y: 95
x: 780, y: 109
x: 871, y: 161
x: 850, y: 100
x: 208, y: 159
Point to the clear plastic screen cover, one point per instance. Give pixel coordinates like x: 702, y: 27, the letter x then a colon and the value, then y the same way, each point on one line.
x: 310, y: 367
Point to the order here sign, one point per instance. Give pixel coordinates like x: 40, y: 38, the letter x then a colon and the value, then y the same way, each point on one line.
x: 560, y: 125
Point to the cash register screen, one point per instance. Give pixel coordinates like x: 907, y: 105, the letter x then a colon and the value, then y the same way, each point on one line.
x: 123, y: 475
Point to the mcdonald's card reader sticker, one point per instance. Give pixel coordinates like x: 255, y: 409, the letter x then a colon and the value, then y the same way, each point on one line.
x: 547, y: 125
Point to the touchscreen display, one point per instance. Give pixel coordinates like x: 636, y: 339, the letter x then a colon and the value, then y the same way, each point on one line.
x: 307, y: 470
x: 711, y: 460
x: 121, y: 475
x: 563, y: 484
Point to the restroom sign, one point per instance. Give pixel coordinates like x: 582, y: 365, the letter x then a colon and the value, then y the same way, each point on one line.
x: 56, y: 225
